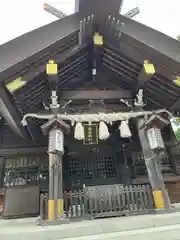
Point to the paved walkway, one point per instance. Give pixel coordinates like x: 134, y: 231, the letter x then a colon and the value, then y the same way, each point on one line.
x: 122, y: 227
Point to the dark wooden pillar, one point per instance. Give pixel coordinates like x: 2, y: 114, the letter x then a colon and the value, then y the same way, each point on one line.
x: 56, y: 150
x: 60, y: 205
x: 156, y: 180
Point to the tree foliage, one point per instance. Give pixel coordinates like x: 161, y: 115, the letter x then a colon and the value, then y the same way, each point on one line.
x: 177, y: 133
x: 176, y: 122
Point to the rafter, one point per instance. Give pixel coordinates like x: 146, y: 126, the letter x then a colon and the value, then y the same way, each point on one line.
x: 15, y: 54
x: 148, y: 38
x: 60, y: 59
x: 17, y: 83
x: 132, y: 53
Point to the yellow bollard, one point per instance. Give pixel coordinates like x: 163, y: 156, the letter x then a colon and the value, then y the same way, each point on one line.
x: 60, y: 207
x: 158, y: 199
x: 51, y: 210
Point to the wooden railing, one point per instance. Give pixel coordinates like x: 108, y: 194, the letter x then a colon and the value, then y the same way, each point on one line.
x: 104, y: 201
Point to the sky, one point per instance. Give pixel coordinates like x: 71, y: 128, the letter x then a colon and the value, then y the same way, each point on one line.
x: 20, y: 16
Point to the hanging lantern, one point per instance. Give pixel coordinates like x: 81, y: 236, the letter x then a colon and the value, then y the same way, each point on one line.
x: 103, y: 131
x: 125, y: 130
x: 79, y: 131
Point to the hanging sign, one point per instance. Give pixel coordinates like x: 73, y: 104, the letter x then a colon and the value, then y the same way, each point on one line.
x: 90, y: 134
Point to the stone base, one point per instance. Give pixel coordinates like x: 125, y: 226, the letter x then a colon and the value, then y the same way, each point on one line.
x: 40, y: 222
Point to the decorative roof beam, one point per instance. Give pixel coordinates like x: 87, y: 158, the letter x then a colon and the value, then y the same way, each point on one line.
x: 97, y: 6
x: 10, y: 114
x: 96, y: 94
x: 147, y: 71
x: 54, y: 11
x: 59, y: 14
x: 132, y: 13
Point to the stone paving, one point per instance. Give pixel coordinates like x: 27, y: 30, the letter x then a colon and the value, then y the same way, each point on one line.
x: 27, y: 229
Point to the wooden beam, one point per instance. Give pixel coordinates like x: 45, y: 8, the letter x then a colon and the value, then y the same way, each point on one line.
x: 96, y: 94
x: 98, y: 7
x: 24, y: 151
x: 145, y: 74
x: 176, y: 105
x: 10, y: 113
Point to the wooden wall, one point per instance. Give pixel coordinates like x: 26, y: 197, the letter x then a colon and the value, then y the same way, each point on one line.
x: 174, y: 191
x: 8, y: 139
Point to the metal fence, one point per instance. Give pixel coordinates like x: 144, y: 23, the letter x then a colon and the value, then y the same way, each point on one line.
x: 105, y: 201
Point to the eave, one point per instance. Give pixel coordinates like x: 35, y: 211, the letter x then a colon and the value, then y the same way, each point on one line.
x: 36, y: 45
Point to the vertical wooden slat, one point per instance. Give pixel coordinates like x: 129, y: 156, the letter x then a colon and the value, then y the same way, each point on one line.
x: 132, y: 197
x: 76, y: 202
x: 85, y: 201
x: 42, y: 207
x: 118, y: 199
x: 91, y: 205
x: 123, y: 197
x: 71, y: 202
x: 101, y: 201
x: 46, y: 205
x: 96, y: 203
x: 150, y: 198
x: 109, y: 199
x: 145, y: 196
x: 127, y: 198
x: 81, y: 202
x: 114, y: 199
x: 136, y: 193
x: 66, y: 205
x: 141, y: 197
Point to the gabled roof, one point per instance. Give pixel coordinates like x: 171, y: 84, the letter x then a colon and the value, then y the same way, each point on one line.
x: 123, y: 57
x: 160, y: 46
x: 33, y: 43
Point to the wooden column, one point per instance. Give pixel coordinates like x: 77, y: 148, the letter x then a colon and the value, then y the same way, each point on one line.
x: 156, y: 180
x: 56, y: 149
x: 51, y: 189
x: 60, y: 205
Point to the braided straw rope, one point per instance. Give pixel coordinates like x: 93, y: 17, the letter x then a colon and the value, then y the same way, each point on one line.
x: 98, y: 117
